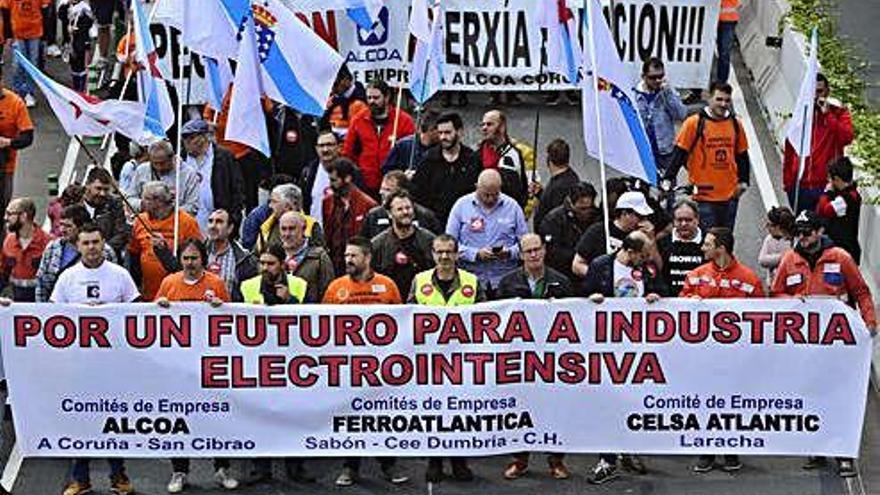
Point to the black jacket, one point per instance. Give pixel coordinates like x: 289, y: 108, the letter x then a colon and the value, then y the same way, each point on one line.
x: 402, y: 260
x: 110, y: 219
x: 377, y: 221
x: 437, y: 185
x: 555, y: 192
x: 600, y: 278
x: 227, y: 184
x: 516, y: 284
x: 561, y: 232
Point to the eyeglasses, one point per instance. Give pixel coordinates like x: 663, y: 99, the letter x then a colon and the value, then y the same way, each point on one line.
x: 655, y: 77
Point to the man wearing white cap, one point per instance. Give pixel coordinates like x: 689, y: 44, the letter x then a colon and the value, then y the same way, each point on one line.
x: 629, y: 211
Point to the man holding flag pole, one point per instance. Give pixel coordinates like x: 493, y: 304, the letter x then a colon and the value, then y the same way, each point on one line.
x: 818, y: 132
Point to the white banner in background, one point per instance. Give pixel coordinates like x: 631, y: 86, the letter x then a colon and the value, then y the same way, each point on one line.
x: 756, y: 377
x: 495, y: 44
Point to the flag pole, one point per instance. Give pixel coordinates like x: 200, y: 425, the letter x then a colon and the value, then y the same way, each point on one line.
x: 409, y: 51
x: 593, y: 61
x: 541, y: 62
x: 802, y: 160
x: 412, y: 149
x: 179, y: 155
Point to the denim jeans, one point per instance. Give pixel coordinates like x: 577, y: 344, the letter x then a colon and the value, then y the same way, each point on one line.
x: 724, y: 42
x: 80, y: 469
x: 21, y: 81
x: 718, y: 214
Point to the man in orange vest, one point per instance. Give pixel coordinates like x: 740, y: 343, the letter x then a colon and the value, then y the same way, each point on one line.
x: 726, y: 31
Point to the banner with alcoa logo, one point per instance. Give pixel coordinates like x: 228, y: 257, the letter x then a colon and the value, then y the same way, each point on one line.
x: 496, y: 44
x: 754, y: 377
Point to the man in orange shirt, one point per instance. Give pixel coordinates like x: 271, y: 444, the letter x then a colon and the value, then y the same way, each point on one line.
x: 23, y: 22
x: 152, y: 238
x: 722, y: 277
x: 16, y: 132
x: 713, y: 145
x: 194, y: 283
x: 726, y: 31
x: 361, y: 285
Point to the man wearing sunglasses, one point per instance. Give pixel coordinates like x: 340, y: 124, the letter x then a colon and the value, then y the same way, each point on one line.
x: 660, y: 108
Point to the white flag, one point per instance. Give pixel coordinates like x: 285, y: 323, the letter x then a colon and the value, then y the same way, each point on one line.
x: 247, y: 123
x: 800, y: 128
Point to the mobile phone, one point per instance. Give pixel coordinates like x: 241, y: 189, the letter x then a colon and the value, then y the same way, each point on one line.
x: 497, y: 249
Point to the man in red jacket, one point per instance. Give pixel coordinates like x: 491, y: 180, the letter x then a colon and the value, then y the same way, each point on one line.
x: 344, y: 211
x: 816, y: 268
x: 832, y: 132
x: 371, y: 134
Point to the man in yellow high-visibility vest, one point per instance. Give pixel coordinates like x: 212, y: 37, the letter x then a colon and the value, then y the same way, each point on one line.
x: 446, y: 285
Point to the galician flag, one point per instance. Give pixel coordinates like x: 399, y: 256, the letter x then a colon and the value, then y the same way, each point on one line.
x: 426, y: 73
x: 564, y: 54
x: 84, y: 115
x: 152, y: 88
x: 247, y: 123
x: 613, y: 130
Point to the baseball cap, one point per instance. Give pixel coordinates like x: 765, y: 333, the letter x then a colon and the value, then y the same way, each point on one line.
x: 807, y: 221
x: 634, y: 200
x: 195, y: 126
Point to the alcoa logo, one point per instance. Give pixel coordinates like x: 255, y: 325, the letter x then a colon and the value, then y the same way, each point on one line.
x: 376, y: 35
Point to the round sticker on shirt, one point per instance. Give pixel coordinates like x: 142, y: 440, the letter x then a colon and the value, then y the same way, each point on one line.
x: 291, y: 136
x: 401, y: 258
x: 209, y: 294
x: 637, y: 275
x: 342, y: 294
x: 214, y: 268
x: 467, y: 291
x: 427, y: 289
x: 477, y: 224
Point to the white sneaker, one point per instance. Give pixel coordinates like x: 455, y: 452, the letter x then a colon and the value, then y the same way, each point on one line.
x: 30, y: 101
x: 225, y: 480
x: 53, y: 51
x: 178, y: 481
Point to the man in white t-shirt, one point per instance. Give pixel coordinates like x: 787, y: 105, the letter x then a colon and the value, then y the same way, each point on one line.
x: 94, y: 280
x: 624, y: 273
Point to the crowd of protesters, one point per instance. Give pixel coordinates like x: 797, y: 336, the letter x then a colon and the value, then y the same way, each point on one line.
x: 375, y: 207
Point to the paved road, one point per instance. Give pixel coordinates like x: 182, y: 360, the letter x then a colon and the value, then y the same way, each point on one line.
x: 669, y: 475
x: 858, y: 23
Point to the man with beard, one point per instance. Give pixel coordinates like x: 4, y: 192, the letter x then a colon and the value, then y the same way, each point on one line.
x: 314, y: 180
x: 271, y: 287
x: 498, y: 151
x: 344, y: 211
x: 372, y: 134
x: 404, y: 249
x: 226, y: 257
x: 310, y: 263
x: 361, y: 285
x: 622, y: 274
x: 194, y: 283
x: 377, y: 219
x: 105, y: 209
x: 450, y: 170
x: 22, y: 250
x: 564, y: 225
x: 816, y: 268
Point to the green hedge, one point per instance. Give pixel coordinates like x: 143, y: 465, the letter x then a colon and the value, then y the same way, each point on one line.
x: 844, y: 70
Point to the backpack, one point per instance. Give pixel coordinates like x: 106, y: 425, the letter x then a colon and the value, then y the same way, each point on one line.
x: 701, y: 128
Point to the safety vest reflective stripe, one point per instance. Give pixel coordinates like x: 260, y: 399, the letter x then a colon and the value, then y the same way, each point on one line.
x: 430, y: 295
x: 250, y: 289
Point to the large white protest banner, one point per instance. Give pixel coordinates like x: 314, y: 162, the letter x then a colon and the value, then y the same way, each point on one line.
x: 765, y: 377
x: 496, y: 44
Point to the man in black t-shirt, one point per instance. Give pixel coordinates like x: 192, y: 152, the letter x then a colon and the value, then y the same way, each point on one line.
x: 682, y: 250
x: 404, y: 249
x: 631, y: 208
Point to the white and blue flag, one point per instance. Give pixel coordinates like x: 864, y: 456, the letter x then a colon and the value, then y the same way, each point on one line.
x: 152, y: 89
x: 620, y: 138
x: 426, y: 73
x: 247, y: 122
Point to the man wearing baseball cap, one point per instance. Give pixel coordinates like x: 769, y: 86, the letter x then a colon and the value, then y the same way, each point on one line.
x: 220, y: 176
x: 816, y: 268
x: 629, y: 211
